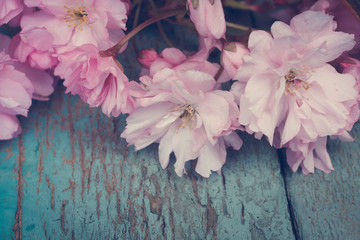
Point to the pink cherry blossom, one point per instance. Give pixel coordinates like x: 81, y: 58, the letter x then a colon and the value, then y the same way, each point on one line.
x: 42, y: 81
x: 208, y: 17
x: 10, y: 9
x: 97, y: 80
x: 15, y: 97
x: 180, y: 109
x: 286, y: 88
x: 61, y: 25
x: 287, y: 79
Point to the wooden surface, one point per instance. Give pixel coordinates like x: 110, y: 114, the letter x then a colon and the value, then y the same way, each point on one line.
x: 70, y: 176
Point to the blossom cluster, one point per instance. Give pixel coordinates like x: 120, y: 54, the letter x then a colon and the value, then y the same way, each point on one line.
x: 296, y: 85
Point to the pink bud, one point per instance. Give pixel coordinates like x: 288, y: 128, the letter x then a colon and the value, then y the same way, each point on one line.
x: 231, y: 57
x: 208, y: 17
x: 146, y: 57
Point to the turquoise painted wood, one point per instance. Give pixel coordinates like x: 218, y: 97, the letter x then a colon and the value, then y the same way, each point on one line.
x: 79, y: 180
x: 327, y: 206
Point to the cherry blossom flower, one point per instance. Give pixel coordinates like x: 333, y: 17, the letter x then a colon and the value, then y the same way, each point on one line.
x: 179, y: 107
x: 15, y: 97
x: 286, y: 86
x: 41, y: 80
x: 97, y: 80
x: 18, y: 85
x: 61, y: 25
x: 10, y: 9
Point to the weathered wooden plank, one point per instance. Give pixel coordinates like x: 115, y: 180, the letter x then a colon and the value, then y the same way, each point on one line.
x: 82, y: 182
x: 327, y: 206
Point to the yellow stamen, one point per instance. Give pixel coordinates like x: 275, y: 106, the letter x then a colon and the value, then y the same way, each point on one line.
x: 76, y: 17
x: 294, y: 83
x: 188, y: 117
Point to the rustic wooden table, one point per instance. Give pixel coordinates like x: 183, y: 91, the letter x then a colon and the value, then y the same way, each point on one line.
x: 69, y: 175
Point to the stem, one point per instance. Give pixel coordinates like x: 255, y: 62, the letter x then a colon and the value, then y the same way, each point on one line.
x: 161, y: 29
x: 237, y: 26
x: 237, y: 5
x: 136, y: 20
x: 113, y: 51
x: 137, y: 13
x: 118, y: 64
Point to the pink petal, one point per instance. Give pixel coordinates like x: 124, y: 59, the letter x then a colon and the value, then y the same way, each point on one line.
x: 211, y: 158
x: 322, y: 159
x: 9, y: 127
x: 9, y: 9
x: 280, y: 29
x: 292, y: 124
x: 165, y: 147
x: 307, y: 28
x: 41, y: 80
x: 214, y: 112
x: 182, y: 145
x: 233, y: 140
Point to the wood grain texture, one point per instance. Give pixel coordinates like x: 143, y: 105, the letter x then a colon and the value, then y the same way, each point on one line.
x: 81, y: 181
x: 326, y: 206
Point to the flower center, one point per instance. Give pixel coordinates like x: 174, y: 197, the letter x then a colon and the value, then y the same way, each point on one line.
x: 294, y: 83
x: 187, y: 118
x: 75, y: 17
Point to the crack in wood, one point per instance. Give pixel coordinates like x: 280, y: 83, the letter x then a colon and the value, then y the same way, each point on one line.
x: 242, y: 213
x: 72, y: 139
x: 72, y: 187
x: 40, y: 166
x: 283, y: 164
x: 132, y: 216
x: 62, y: 217
x: 52, y: 188
x: 82, y: 164
x: 211, y: 218
x: 98, y: 195
x: 17, y: 228
x: 48, y: 147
